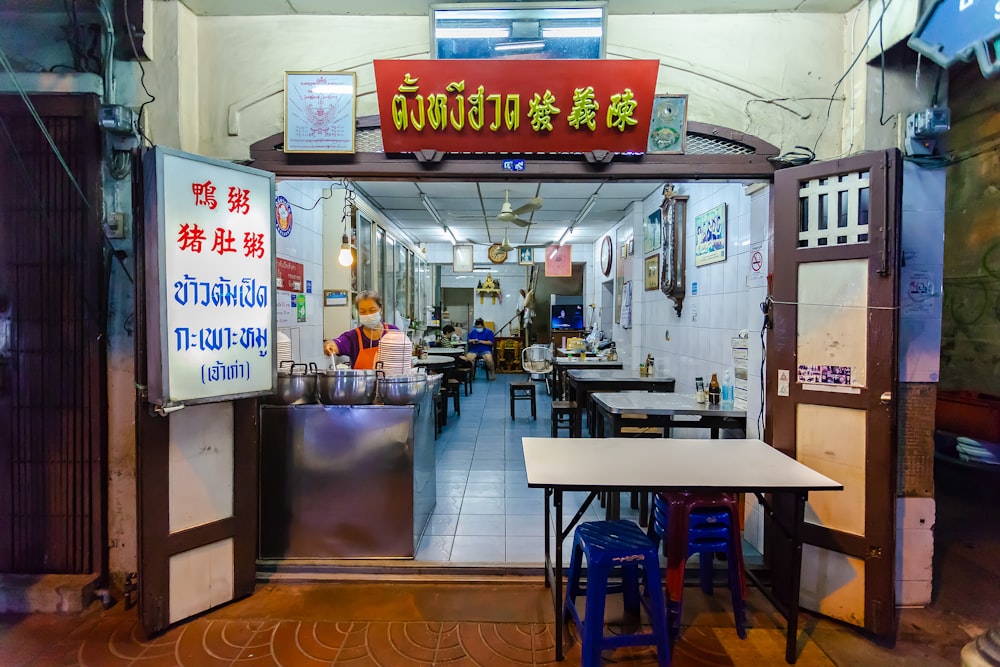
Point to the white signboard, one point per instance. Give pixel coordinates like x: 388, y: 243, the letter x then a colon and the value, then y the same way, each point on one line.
x: 320, y: 112
x: 210, y: 279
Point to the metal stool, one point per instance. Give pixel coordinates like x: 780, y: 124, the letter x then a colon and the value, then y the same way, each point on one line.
x: 522, y: 391
x: 563, y: 416
x: 610, y: 546
x: 706, y: 524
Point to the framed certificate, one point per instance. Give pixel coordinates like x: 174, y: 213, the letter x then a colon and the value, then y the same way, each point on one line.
x: 461, y: 258
x: 320, y: 112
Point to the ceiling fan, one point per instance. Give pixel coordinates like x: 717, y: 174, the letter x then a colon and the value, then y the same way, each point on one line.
x: 509, y: 214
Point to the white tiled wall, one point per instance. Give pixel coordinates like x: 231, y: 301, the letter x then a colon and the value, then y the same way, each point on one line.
x: 304, y: 245
x: 699, y: 340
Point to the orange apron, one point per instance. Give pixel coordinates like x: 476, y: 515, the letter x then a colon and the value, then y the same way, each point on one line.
x: 367, y: 355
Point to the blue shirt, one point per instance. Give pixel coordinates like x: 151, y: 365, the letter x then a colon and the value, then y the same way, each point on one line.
x: 481, y: 348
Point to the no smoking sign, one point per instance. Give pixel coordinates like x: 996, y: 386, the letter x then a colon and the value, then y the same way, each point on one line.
x: 758, y: 266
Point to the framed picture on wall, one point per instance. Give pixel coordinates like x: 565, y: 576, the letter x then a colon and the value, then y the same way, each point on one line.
x: 320, y: 112
x: 651, y: 273
x: 651, y: 232
x: 461, y: 258
x: 668, y: 125
x: 710, y: 236
x: 525, y: 255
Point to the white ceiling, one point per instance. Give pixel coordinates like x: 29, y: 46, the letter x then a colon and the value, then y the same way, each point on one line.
x: 420, y: 7
x: 461, y: 207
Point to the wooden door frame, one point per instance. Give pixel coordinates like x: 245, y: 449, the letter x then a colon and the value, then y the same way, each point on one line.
x: 885, y: 169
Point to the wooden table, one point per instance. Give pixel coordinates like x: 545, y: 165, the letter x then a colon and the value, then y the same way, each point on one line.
x: 583, y: 382
x: 609, y: 464
x: 562, y: 364
x: 659, y: 410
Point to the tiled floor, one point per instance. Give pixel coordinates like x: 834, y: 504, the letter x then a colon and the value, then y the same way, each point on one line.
x: 419, y: 624
x: 485, y: 511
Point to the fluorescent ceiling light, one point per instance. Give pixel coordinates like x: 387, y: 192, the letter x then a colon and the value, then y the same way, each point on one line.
x: 579, y: 31
x: 332, y: 89
x: 519, y: 46
x: 586, y: 208
x: 568, y: 232
x: 430, y: 208
x: 473, y: 33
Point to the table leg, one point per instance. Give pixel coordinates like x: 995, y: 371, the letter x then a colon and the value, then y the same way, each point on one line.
x: 578, y: 426
x: 548, y: 533
x: 791, y: 639
x: 558, y: 584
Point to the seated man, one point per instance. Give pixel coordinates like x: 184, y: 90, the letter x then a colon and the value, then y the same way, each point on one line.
x: 481, y: 343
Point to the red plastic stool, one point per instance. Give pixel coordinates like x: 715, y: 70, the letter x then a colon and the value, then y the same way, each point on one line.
x: 678, y: 518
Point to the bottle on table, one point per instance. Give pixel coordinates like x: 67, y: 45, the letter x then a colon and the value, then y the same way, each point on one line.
x: 714, y: 391
x: 727, y: 387
x: 700, y: 395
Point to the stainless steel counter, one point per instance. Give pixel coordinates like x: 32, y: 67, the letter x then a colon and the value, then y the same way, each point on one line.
x: 345, y: 481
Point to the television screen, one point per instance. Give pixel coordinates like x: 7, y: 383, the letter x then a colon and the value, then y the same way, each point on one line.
x: 567, y: 317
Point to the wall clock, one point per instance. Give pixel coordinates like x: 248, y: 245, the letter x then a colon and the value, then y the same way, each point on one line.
x: 497, y: 254
x: 606, y: 252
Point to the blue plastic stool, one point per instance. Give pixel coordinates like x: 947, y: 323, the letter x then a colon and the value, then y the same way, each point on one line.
x: 711, y: 530
x: 610, y: 546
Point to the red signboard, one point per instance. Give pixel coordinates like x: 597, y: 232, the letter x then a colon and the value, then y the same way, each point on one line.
x: 515, y: 106
x: 289, y: 275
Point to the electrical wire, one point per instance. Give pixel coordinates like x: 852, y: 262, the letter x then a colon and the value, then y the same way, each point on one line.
x: 338, y: 184
x: 850, y: 67
x: 142, y: 73
x: 881, y: 47
x: 763, y: 360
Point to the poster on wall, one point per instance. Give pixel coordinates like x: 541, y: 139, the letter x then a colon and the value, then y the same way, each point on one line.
x: 210, y: 263
x: 559, y: 261
x: 627, y: 305
x: 710, y: 236
x: 320, y: 110
x: 289, y: 275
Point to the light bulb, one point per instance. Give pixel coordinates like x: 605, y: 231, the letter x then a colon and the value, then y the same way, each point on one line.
x: 345, y: 258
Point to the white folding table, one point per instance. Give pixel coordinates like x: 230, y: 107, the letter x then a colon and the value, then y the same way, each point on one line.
x: 664, y: 464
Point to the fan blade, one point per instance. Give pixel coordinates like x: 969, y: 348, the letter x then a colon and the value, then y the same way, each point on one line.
x: 520, y: 222
x: 533, y: 204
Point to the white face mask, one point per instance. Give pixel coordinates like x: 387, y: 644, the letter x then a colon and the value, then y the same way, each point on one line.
x: 371, y: 321
x: 479, y: 330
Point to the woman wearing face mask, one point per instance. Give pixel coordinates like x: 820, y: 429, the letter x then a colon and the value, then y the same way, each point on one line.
x: 361, y: 344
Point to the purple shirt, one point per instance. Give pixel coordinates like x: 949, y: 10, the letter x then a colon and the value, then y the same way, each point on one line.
x: 347, y: 342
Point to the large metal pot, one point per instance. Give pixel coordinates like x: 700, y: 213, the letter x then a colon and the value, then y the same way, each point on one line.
x: 434, y: 383
x: 402, y: 389
x: 347, y: 387
x: 296, y: 384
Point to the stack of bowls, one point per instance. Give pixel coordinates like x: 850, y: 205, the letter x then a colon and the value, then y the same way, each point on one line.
x: 394, y: 353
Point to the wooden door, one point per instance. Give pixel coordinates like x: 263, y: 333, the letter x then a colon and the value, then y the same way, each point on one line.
x: 831, y: 375
x: 197, y: 486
